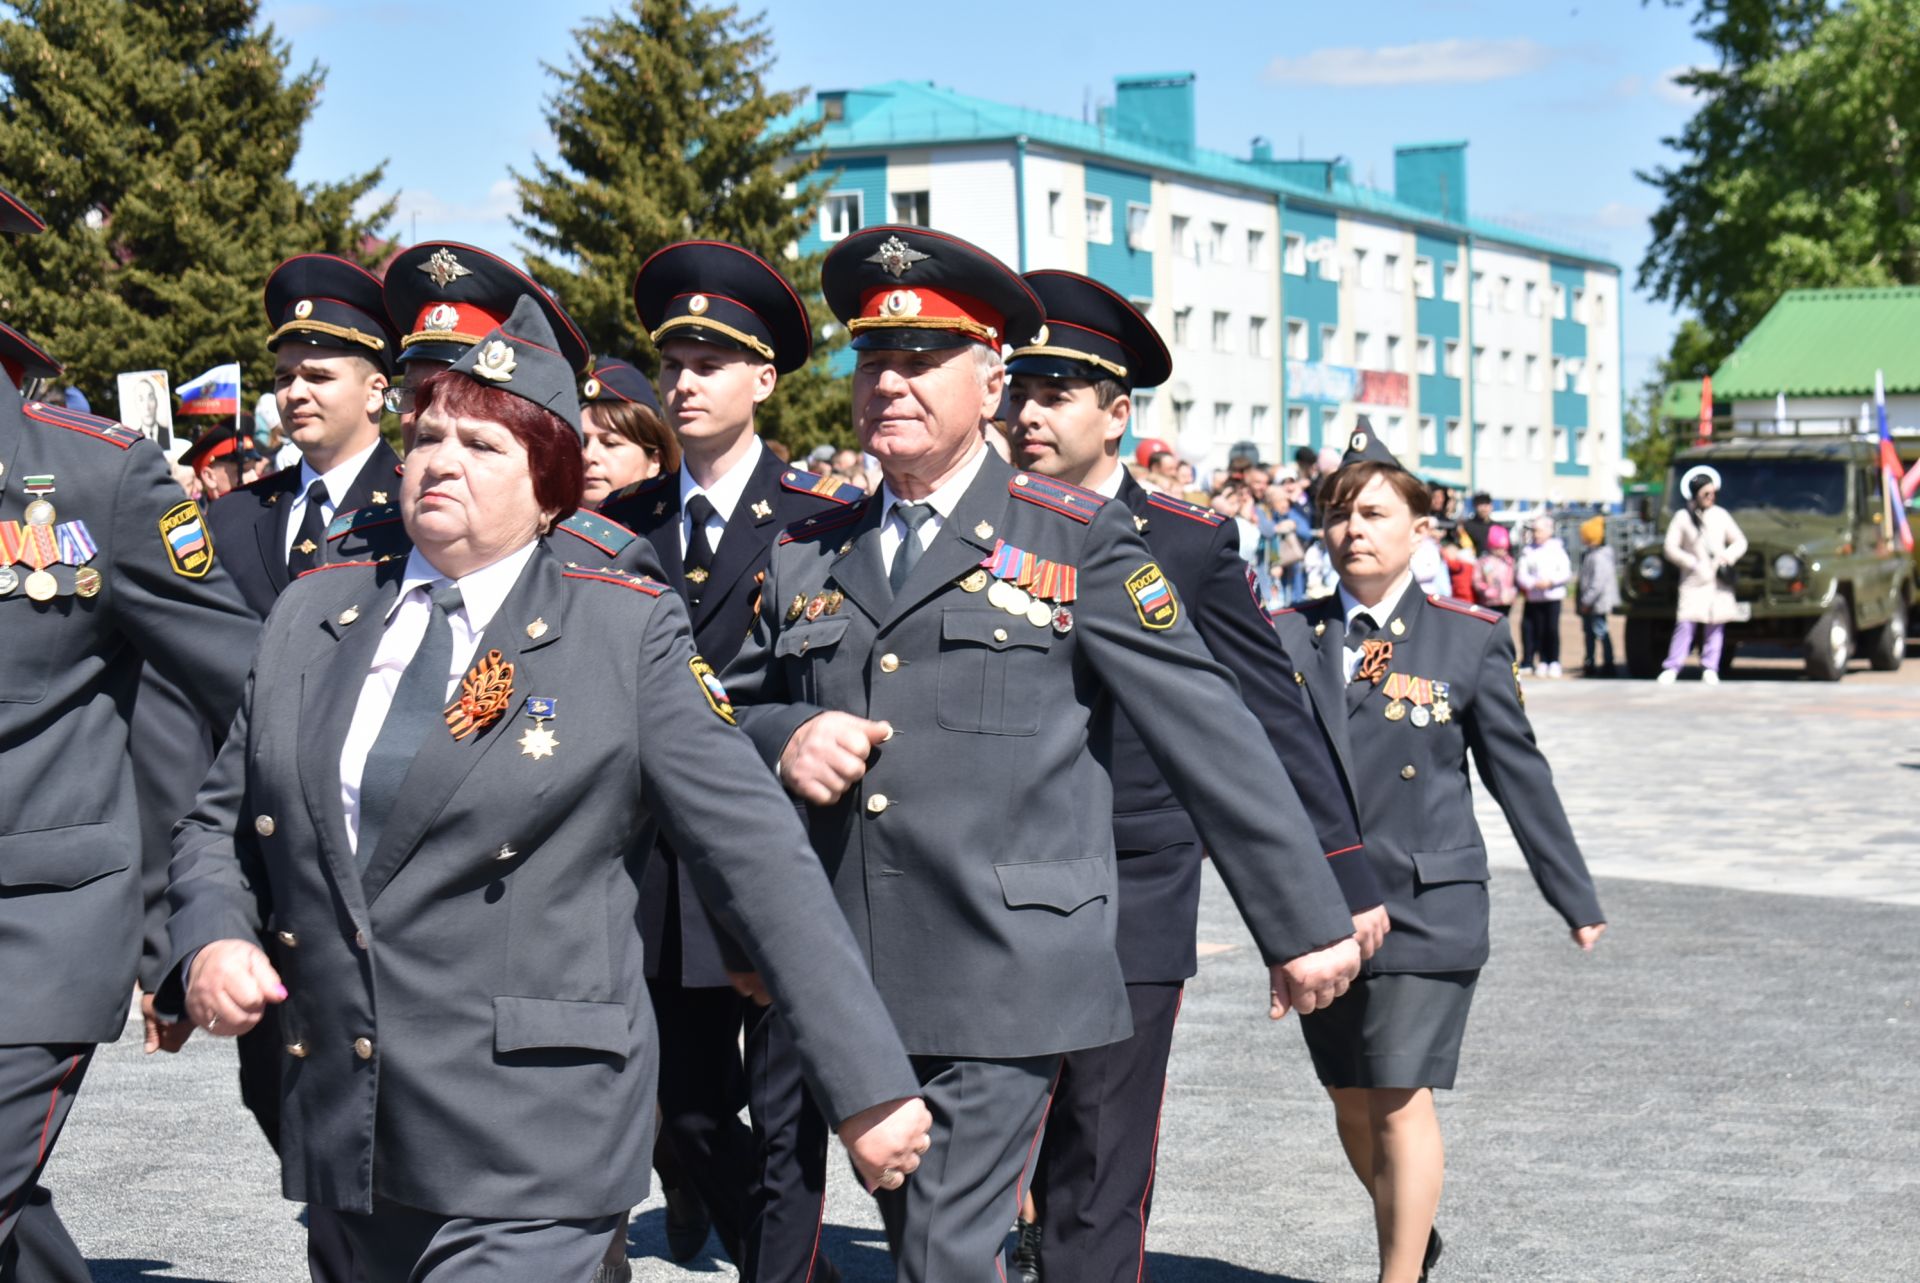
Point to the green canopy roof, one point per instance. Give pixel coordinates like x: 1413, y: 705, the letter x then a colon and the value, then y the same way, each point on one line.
x: 1827, y: 343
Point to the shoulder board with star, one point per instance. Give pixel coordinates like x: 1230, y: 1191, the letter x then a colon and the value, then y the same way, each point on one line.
x: 115, y: 434
x: 336, y: 565
x: 833, y: 519
x: 374, y: 514
x: 1057, y: 496
x: 1459, y: 607
x: 802, y: 482
x: 607, y: 575
x: 1180, y: 507
x: 639, y: 488
x: 610, y: 537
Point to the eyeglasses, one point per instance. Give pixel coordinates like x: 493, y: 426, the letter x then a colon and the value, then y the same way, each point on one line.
x: 399, y: 400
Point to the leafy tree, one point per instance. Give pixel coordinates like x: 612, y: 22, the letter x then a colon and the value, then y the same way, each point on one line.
x: 155, y: 140
x: 666, y: 131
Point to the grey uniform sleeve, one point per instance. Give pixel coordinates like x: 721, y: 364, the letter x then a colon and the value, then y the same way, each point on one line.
x: 738, y: 837
x: 767, y: 711
x: 1186, y: 709
x: 1517, y: 774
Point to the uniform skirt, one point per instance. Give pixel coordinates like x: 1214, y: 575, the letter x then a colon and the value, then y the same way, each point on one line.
x: 1397, y: 1030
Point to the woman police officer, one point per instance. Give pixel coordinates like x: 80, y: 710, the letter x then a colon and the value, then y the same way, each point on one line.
x: 1410, y: 684
x: 436, y: 798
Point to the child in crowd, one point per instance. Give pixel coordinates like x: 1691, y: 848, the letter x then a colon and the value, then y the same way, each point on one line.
x: 1599, y: 594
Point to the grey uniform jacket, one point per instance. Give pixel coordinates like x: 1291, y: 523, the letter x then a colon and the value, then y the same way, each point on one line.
x: 976, y: 859
x: 467, y: 1021
x: 1411, y: 784
x: 70, y: 869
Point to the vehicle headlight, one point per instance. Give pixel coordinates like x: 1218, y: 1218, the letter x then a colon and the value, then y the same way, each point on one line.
x: 1788, y: 566
x: 1652, y: 566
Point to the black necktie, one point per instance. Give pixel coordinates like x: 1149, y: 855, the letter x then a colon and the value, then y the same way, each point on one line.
x: 1359, y: 632
x: 311, y: 538
x: 419, y: 702
x: 699, y: 561
x: 907, y: 555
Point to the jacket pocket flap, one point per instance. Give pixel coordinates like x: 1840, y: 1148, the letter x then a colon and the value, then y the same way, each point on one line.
x: 64, y: 857
x: 1460, y: 864
x: 520, y: 1024
x: 994, y: 629
x: 1055, y: 884
x: 806, y: 637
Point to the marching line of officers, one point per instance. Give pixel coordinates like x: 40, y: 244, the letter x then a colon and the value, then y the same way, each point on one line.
x: 494, y: 762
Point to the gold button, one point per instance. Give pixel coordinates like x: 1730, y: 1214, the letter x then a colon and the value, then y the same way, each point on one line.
x: 298, y: 1050
x: 506, y: 852
x: 1300, y: 678
x: 1407, y: 772
x: 999, y: 634
x: 360, y: 941
x: 877, y: 803
x: 363, y: 1048
x: 889, y: 662
x: 263, y: 825
x: 289, y: 939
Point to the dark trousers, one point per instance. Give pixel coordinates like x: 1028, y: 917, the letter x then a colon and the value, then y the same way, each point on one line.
x: 790, y: 1203
x: 702, y: 1090
x: 1093, y: 1188
x: 1593, y: 630
x: 1540, y: 633
x: 37, y: 1087
x: 948, y: 1223
x: 397, y: 1244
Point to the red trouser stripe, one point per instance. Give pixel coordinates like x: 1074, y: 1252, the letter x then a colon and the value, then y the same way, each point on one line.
x: 1153, y: 1164
x: 40, y: 1156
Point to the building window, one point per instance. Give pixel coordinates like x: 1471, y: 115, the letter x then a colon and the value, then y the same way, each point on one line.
x: 1509, y: 368
x: 1393, y: 355
x: 840, y: 216
x: 1257, y: 336
x: 1559, y: 374
x: 1423, y: 277
x: 1181, y: 318
x: 1296, y: 425
x: 1293, y: 254
x: 1481, y: 374
x: 1182, y: 410
x: 1053, y: 214
x: 833, y: 107
x: 1222, y: 418
x: 1533, y: 443
x: 1480, y: 299
x: 1182, y: 236
x: 1139, y: 227
x: 1363, y: 269
x: 1256, y: 249
x: 1598, y: 378
x: 1596, y: 309
x: 1559, y: 296
x: 1533, y: 299
x: 911, y: 208
x: 1580, y: 452
x: 1396, y: 434
x: 1362, y: 348
x: 1559, y: 442
x: 1099, y: 220
x: 1297, y: 340
x: 1220, y: 336
x: 1142, y: 407
x: 1256, y: 421
x: 1429, y: 435
x: 1580, y: 306
x: 1452, y: 357
x: 1533, y: 373
x: 1327, y: 254
x: 1449, y: 437
x: 1329, y: 335
x: 1217, y: 243
x: 1390, y: 273
x: 1423, y: 354
x: 1450, y: 282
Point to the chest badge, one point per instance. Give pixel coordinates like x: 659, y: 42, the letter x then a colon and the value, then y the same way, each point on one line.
x: 762, y: 509
x: 537, y: 741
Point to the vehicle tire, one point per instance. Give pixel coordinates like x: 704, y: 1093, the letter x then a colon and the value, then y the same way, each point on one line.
x: 1647, y: 642
x: 1830, y: 642
x: 1886, y: 645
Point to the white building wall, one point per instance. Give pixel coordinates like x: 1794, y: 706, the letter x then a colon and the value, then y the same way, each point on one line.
x: 1606, y: 430
x: 971, y: 196
x: 1515, y: 446
x: 1064, y: 245
x: 1377, y: 329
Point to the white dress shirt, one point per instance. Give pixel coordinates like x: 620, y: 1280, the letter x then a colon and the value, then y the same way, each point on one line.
x: 481, y: 592
x: 338, y: 480
x: 943, y: 501
x: 1380, y: 615
x: 1110, y: 488
x: 724, y: 495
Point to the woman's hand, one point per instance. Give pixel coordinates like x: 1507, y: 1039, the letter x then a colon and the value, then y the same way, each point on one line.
x: 230, y: 986
x: 1587, y: 937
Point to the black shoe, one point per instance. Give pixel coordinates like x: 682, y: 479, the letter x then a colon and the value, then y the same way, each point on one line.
x: 1026, y: 1253
x: 687, y: 1225
x: 1434, y: 1248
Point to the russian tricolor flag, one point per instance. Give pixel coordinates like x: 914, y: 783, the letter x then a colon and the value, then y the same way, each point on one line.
x: 1890, y: 465
x: 215, y: 392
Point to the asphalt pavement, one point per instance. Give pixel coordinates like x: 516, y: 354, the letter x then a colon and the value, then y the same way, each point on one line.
x: 1728, y: 1090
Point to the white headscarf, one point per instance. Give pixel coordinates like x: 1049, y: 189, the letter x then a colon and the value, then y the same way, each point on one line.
x: 1698, y: 472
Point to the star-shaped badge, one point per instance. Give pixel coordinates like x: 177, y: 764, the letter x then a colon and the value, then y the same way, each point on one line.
x: 537, y: 742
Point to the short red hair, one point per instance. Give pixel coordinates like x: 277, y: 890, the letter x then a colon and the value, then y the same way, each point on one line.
x: 554, y: 458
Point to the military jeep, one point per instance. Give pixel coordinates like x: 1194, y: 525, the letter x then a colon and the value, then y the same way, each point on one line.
x: 1823, y: 573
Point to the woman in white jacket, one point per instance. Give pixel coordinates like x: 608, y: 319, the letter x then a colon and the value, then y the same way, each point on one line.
x: 1543, y: 573
x: 1703, y: 541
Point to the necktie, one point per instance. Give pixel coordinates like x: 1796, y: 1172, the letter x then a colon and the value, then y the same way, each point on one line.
x: 699, y: 561
x: 1359, y: 633
x: 418, y: 704
x: 907, y: 555
x: 312, y: 535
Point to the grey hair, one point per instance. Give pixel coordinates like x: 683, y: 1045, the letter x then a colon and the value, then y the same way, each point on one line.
x: 986, y: 360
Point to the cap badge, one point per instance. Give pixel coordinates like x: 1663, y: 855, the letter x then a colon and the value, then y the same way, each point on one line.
x: 697, y: 305
x: 443, y: 318
x: 443, y: 269
x: 896, y: 256
x: 1359, y: 441
x: 590, y: 389
x: 1040, y: 336
x: 495, y: 362
x: 901, y: 303
x: 303, y: 309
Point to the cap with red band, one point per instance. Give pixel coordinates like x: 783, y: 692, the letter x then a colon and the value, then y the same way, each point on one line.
x: 442, y: 297
x: 919, y: 290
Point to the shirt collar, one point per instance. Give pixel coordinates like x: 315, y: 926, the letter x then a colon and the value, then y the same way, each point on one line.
x: 947, y: 497
x: 338, y: 479
x: 1110, y: 488
x: 725, y: 493
x: 1389, y: 604
x: 481, y: 593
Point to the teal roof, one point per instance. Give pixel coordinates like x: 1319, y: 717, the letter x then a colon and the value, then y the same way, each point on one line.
x: 906, y: 113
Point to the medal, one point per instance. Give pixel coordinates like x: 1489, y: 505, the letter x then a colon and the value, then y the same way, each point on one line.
x: 40, y: 513
x: 86, y: 582
x: 1443, y: 712
x: 537, y: 741
x: 41, y: 586
x: 816, y: 607
x: 796, y: 606
x: 835, y: 600
x: 997, y: 593
x: 975, y: 580
x: 1017, y: 601
x: 1419, y: 716
x: 1396, y: 711
x: 1062, y: 620
x: 9, y: 580
x: 1040, y: 615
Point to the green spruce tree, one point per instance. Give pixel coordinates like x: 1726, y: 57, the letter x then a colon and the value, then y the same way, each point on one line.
x: 666, y: 131
x: 155, y: 139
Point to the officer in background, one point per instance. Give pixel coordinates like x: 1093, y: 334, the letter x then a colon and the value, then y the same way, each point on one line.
x: 923, y: 675
x: 219, y: 459
x: 1071, y: 399
x: 104, y: 563
x: 727, y: 325
x: 333, y: 356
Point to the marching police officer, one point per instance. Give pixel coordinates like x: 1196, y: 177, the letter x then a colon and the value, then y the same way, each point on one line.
x: 1410, y: 685
x: 1071, y: 399
x: 104, y: 563
x: 923, y: 675
x: 727, y: 325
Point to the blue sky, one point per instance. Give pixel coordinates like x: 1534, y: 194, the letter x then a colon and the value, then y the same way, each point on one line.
x: 1562, y: 99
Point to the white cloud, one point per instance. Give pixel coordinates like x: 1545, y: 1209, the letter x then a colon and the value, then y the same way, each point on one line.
x: 1618, y: 215
x: 499, y: 201
x: 1668, y: 90
x: 1434, y: 62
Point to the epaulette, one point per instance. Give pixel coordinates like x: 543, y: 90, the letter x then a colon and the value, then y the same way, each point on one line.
x: 638, y: 487
x: 828, y: 487
x: 607, y: 575
x: 375, y: 514
x: 1058, y: 496
x: 1180, y: 507
x: 609, y: 537
x: 822, y: 522
x: 334, y: 565
x: 59, y: 416
x: 1459, y: 607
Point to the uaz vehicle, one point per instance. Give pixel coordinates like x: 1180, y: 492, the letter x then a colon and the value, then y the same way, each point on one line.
x: 1823, y: 571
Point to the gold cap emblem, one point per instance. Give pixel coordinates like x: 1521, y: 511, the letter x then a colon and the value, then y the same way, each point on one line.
x: 443, y: 269
x: 697, y: 305
x: 495, y: 362
x: 896, y: 256
x: 590, y: 389
x: 1359, y: 441
x: 303, y: 309
x: 901, y: 303
x: 442, y: 318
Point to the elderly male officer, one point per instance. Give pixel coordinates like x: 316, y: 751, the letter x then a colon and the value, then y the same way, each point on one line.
x: 727, y: 325
x: 925, y: 673
x: 1071, y: 392
x: 104, y: 563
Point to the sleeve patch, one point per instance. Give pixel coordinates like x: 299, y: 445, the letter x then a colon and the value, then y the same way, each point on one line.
x: 188, y: 542
x: 1153, y: 598
x: 710, y: 687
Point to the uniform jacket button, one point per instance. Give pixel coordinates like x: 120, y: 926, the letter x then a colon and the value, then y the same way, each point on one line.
x: 1000, y: 634
x: 360, y: 941
x: 298, y: 1050
x: 1407, y: 772
x: 506, y: 852
x: 363, y: 1048
x: 289, y: 939
x: 889, y: 662
x: 263, y: 825
x: 877, y: 803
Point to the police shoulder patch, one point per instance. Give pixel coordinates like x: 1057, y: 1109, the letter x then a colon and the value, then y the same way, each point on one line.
x: 802, y: 482
x: 1056, y: 496
x: 1153, y: 598
x: 334, y: 565
x: 116, y: 434
x: 710, y: 687
x: 1180, y: 507
x: 188, y: 542
x: 833, y: 519
x: 378, y: 514
x: 610, y: 537
x: 1459, y: 607
x: 606, y: 575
